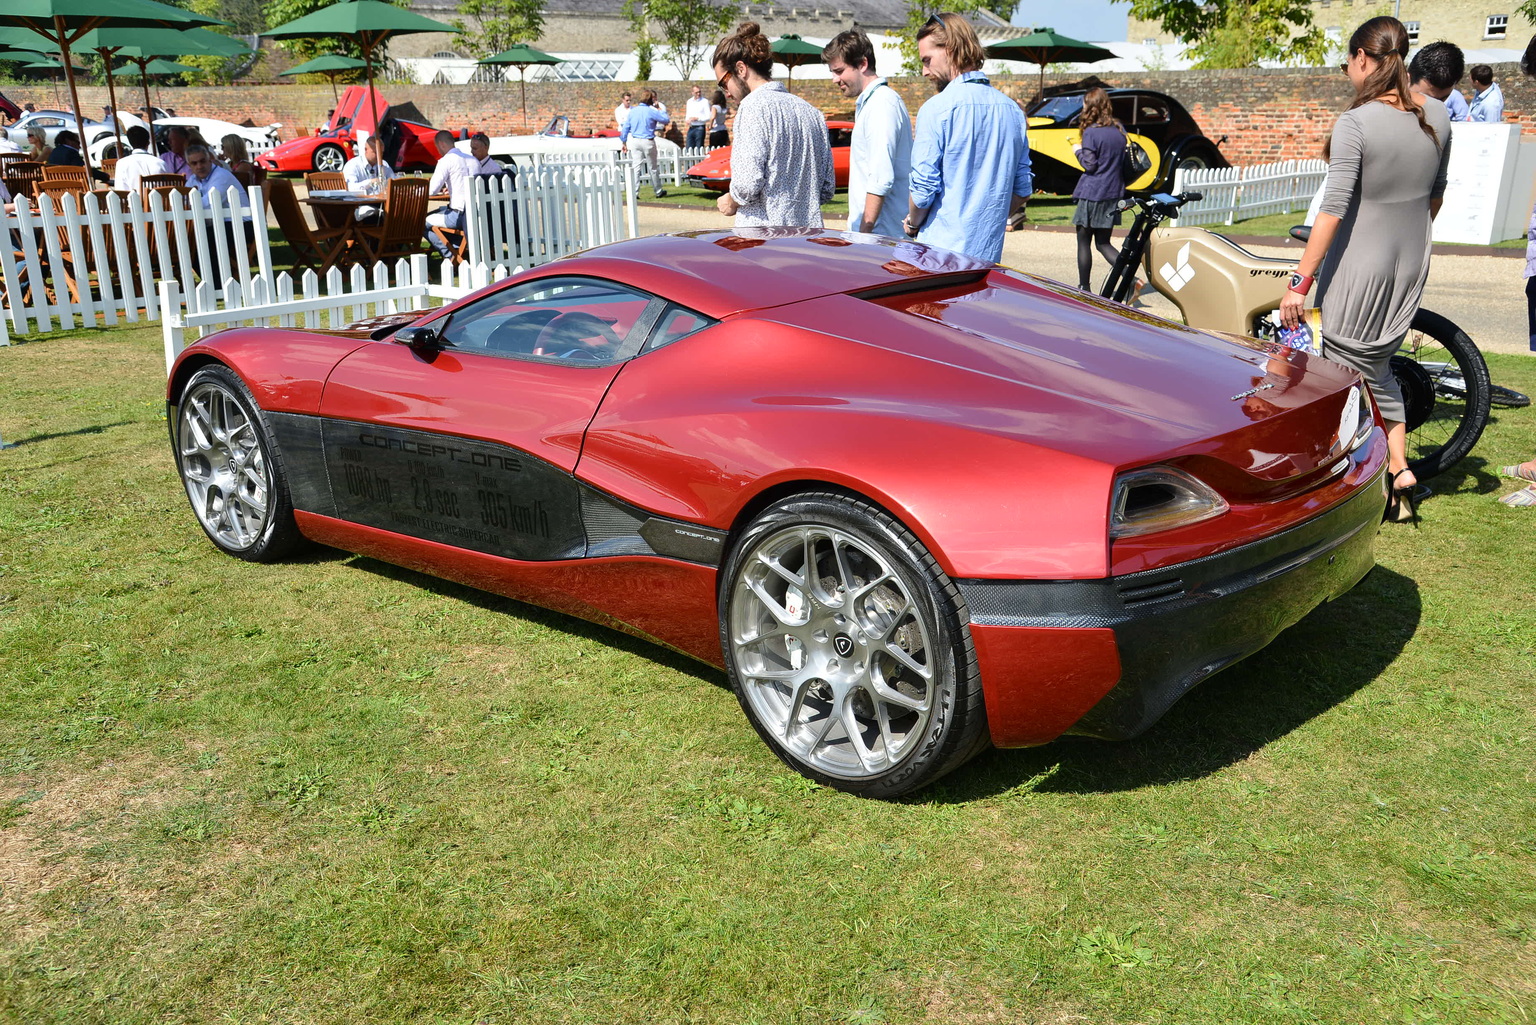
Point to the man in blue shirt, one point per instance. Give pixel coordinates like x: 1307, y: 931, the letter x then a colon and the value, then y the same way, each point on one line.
x: 1488, y: 104
x: 970, y: 155
x: 208, y: 178
x: 639, y: 138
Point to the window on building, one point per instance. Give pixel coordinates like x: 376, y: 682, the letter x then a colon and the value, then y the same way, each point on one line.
x: 445, y: 55
x: 1413, y: 32
x: 1497, y: 26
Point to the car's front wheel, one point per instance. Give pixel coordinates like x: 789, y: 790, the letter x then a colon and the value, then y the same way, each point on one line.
x: 847, y: 647
x: 231, y: 468
x: 329, y: 157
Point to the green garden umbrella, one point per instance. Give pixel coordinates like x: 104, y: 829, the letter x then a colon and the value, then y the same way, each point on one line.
x: 369, y: 23
x: 158, y: 66
x: 792, y: 51
x: 331, y: 65
x: 521, y: 57
x: 1047, y: 46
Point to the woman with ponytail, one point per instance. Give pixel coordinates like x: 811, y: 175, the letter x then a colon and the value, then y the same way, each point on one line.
x: 1369, y: 249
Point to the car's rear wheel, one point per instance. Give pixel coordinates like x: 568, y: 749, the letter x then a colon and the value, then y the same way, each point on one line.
x: 329, y: 157
x: 847, y: 647
x: 232, y: 470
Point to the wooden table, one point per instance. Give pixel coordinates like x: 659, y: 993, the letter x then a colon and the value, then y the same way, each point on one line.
x: 336, y: 209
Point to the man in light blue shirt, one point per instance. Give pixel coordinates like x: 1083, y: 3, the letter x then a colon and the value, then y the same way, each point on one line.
x: 639, y: 137
x: 1488, y: 104
x: 970, y: 156
x: 880, y: 153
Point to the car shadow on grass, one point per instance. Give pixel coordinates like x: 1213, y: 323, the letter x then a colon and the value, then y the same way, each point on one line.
x: 572, y: 626
x: 1339, y: 649
x: 33, y: 439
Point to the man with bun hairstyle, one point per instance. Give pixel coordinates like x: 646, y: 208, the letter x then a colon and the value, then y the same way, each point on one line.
x: 970, y: 156
x: 880, y: 155
x: 781, y: 162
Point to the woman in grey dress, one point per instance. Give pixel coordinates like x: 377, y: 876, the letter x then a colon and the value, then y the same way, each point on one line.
x: 1370, y: 245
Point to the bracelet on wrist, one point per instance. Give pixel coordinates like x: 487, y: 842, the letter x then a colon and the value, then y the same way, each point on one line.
x: 1301, y: 283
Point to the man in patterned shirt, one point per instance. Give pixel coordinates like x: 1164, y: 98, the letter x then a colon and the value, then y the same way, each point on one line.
x: 781, y: 162
x: 970, y: 156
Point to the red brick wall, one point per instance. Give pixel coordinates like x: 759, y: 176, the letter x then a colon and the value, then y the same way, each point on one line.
x: 1266, y: 114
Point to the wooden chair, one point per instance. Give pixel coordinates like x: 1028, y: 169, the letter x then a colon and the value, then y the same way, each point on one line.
x: 399, y: 234
x: 325, y: 181
x: 158, y: 181
x: 64, y: 172
x: 9, y: 158
x: 22, y: 176
x: 456, y: 241
x: 109, y: 167
x: 312, y: 247
x: 60, y: 187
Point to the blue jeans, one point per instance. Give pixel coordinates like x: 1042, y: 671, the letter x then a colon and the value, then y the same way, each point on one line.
x: 443, y: 217
x: 695, y: 136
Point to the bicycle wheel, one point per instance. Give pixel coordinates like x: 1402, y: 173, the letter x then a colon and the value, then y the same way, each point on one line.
x: 1508, y: 398
x: 1446, y: 391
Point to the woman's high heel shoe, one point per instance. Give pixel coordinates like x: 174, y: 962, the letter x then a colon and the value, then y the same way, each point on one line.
x: 1402, y: 502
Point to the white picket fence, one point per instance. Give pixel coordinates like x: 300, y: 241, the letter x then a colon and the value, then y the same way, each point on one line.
x: 118, y: 248
x: 551, y: 209
x: 310, y: 302
x: 1237, y: 193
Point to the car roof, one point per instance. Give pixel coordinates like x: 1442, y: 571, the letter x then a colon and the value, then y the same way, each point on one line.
x: 722, y: 272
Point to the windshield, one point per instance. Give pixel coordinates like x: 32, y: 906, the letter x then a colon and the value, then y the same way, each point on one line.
x: 1058, y: 108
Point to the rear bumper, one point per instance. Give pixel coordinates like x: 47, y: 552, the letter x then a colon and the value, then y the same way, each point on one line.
x: 1107, y: 658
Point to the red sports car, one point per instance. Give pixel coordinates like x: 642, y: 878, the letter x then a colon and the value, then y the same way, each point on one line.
x: 913, y: 503
x: 714, y: 171
x: 335, y: 142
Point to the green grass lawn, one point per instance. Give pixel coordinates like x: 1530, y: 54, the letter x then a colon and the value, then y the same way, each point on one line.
x: 336, y: 791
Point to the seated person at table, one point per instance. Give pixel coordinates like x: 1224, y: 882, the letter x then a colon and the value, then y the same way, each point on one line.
x: 208, y: 178
x: 138, y: 163
x: 176, y: 139
x: 367, y: 174
x: 236, y: 157
x: 37, y: 145
x: 66, y: 153
x: 454, y: 170
x: 480, y: 152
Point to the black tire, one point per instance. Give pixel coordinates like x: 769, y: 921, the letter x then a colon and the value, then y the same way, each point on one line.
x: 1445, y: 391
x: 1507, y: 398
x: 913, y: 725
x: 231, y: 468
x: 329, y: 157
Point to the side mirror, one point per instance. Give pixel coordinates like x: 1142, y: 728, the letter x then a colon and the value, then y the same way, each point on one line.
x: 421, y: 339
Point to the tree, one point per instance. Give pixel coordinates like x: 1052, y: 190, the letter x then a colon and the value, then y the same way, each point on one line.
x: 499, y: 24
x: 689, y: 28
x: 1239, y: 33
x: 918, y: 13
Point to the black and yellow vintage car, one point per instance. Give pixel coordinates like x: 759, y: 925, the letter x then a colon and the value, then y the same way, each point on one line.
x: 1156, y: 122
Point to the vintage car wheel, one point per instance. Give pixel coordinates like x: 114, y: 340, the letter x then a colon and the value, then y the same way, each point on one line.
x: 858, y: 673
x: 231, y: 468
x: 330, y: 157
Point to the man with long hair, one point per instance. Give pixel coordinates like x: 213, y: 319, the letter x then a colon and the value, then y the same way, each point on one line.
x: 880, y: 153
x: 970, y: 155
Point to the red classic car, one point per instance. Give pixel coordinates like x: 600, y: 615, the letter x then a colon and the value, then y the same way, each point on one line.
x: 335, y: 142
x: 714, y: 171
x: 912, y: 502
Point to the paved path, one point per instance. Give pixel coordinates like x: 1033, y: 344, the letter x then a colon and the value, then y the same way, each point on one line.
x: 1485, y: 295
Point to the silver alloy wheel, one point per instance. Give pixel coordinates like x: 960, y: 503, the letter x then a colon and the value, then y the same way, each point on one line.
x: 224, y: 466
x: 330, y: 158
x: 832, y: 651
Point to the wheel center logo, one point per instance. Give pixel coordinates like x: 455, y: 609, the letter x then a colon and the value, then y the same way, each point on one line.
x: 843, y: 645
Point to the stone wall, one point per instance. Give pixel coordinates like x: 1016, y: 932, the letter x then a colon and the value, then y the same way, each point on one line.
x: 1264, y: 114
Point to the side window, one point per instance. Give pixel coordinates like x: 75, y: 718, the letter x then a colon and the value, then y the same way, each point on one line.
x: 839, y: 137
x: 1124, y: 108
x: 563, y: 320
x: 677, y: 323
x: 1151, y: 111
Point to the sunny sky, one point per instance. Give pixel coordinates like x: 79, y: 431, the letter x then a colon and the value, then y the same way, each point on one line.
x: 1091, y: 20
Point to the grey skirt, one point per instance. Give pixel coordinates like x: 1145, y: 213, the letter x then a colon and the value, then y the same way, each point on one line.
x: 1096, y: 213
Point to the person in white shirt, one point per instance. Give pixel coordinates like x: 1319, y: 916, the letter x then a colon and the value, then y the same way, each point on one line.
x: 480, y: 153
x: 1488, y: 105
x: 880, y: 157
x: 697, y: 115
x: 454, y: 170
x: 621, y: 112
x: 136, y: 165
x: 366, y: 173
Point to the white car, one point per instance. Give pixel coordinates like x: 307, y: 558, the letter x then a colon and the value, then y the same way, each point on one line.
x: 257, y: 140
